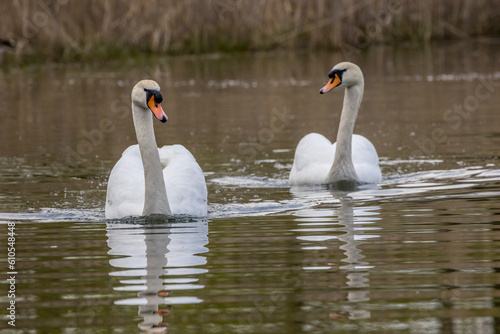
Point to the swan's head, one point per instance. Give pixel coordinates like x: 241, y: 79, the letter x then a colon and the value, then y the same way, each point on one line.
x: 146, y: 94
x: 343, y: 74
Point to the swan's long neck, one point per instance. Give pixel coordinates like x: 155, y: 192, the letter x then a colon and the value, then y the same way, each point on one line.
x: 343, y: 168
x: 155, y: 201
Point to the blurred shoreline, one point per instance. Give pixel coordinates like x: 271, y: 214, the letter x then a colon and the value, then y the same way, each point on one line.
x: 93, y: 30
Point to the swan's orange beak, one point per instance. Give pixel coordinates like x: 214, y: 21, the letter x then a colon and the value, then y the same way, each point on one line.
x: 157, y: 110
x: 334, y: 82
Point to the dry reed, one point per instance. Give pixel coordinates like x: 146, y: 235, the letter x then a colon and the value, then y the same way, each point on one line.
x: 79, y: 30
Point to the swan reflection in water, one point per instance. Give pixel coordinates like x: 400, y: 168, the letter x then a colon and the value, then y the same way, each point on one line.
x: 354, y: 221
x: 157, y: 258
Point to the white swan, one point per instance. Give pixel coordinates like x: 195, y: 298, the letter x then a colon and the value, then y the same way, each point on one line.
x: 352, y: 158
x: 148, y: 180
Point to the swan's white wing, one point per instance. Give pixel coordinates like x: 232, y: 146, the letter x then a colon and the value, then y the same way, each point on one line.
x: 125, y: 194
x: 313, y: 160
x: 184, y: 181
x: 365, y: 160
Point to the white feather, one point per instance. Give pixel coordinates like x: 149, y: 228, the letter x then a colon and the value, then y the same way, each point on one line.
x: 314, y: 159
x: 184, y: 183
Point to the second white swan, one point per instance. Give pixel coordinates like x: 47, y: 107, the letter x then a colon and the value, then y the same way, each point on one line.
x: 148, y: 180
x: 353, y: 158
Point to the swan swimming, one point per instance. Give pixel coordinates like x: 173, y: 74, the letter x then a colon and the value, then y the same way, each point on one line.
x: 149, y: 180
x: 353, y: 158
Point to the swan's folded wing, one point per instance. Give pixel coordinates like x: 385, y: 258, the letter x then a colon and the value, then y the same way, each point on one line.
x: 125, y: 194
x: 365, y: 160
x: 184, y: 181
x: 313, y: 160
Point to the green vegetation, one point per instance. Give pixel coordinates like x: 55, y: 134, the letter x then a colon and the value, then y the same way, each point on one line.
x: 73, y: 30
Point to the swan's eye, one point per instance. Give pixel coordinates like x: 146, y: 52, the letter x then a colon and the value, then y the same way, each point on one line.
x: 339, y: 73
x: 158, y: 98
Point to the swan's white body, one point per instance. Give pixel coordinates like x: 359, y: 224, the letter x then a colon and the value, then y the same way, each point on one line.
x: 148, y: 180
x: 184, y: 183
x: 314, y: 159
x: 352, y: 157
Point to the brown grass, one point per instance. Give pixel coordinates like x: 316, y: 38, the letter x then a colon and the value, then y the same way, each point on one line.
x: 85, y: 29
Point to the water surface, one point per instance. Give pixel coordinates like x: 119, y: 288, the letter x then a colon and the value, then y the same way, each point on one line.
x: 416, y: 254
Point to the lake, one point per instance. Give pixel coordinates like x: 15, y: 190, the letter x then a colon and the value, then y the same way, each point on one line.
x: 417, y: 253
